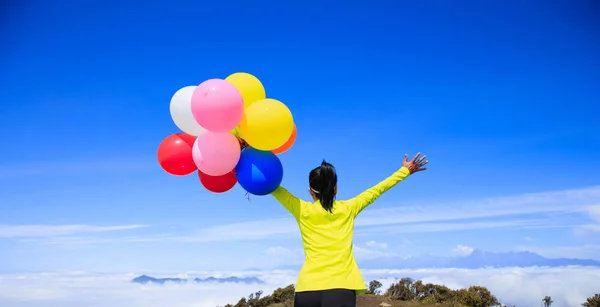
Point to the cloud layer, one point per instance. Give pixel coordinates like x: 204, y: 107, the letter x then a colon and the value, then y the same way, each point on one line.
x: 568, y: 286
x: 576, y: 209
x: 14, y: 231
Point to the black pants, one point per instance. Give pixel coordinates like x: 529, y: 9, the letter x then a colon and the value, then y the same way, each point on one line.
x: 326, y: 298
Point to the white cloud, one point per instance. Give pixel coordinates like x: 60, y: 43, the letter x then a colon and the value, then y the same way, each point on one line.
x: 375, y: 244
x: 463, y: 225
x: 278, y: 256
x: 279, y: 251
x: 463, y: 250
x: 591, y: 228
x: 567, y: 201
x: 431, y: 218
x: 568, y: 286
x: 528, y: 239
x: 244, y: 231
x: 594, y: 214
x: 79, y: 241
x: 12, y: 231
x: 362, y: 253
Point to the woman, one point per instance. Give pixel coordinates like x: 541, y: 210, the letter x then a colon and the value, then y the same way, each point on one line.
x: 330, y: 276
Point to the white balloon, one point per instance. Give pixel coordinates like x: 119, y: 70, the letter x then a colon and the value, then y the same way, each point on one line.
x: 181, y: 111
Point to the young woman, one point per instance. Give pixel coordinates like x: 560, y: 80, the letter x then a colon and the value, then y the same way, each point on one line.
x: 330, y: 276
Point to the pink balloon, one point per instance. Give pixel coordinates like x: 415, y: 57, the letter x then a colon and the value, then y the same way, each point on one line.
x: 216, y: 153
x: 217, y: 105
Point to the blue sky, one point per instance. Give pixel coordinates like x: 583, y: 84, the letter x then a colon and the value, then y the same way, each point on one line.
x: 501, y: 95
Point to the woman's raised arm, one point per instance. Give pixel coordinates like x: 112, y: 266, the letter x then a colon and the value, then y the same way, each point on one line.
x: 288, y: 200
x: 364, y: 199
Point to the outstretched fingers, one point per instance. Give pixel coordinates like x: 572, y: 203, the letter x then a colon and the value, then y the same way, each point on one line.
x: 416, y: 157
x: 421, y: 164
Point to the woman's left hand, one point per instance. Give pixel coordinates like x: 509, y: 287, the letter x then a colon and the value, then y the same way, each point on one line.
x: 416, y: 164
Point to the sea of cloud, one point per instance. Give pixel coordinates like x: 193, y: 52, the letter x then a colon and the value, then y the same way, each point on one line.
x: 568, y: 286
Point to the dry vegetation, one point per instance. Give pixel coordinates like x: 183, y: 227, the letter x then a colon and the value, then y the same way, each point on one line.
x: 406, y: 293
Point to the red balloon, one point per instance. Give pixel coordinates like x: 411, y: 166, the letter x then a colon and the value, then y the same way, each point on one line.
x: 288, y: 144
x: 218, y: 184
x: 175, y: 154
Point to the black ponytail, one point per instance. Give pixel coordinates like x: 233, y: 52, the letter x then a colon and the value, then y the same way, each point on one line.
x: 323, y: 181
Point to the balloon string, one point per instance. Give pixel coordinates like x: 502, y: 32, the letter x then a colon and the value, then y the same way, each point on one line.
x: 243, y: 143
x: 247, y: 196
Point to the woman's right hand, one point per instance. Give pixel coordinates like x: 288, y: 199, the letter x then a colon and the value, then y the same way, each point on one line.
x: 416, y: 164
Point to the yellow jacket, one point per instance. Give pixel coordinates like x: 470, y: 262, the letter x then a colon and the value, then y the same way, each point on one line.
x: 327, y: 237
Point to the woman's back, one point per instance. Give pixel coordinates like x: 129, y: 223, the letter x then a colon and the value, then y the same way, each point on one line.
x: 327, y: 240
x: 327, y: 237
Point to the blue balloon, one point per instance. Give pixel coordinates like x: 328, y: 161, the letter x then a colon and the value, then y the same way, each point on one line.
x: 259, y: 172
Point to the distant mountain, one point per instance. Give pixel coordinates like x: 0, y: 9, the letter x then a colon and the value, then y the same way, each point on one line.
x: 232, y: 279
x: 144, y: 279
x: 477, y: 259
x: 147, y: 279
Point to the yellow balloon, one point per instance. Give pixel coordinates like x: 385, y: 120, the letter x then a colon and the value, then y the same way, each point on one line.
x: 267, y: 124
x: 249, y: 86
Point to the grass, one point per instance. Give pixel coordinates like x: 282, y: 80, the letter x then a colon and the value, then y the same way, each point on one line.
x: 367, y: 300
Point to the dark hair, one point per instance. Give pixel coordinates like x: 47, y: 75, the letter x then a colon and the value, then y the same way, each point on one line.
x: 322, y: 181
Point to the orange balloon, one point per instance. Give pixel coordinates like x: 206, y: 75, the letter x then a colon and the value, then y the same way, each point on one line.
x: 287, y: 145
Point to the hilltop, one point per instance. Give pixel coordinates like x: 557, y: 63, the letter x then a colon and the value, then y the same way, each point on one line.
x: 371, y: 300
x: 406, y: 293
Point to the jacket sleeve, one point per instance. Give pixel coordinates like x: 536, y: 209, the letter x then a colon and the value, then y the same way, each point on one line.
x: 364, y: 199
x: 289, y: 201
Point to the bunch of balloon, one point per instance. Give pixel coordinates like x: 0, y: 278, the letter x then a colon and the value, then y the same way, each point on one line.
x: 231, y: 134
